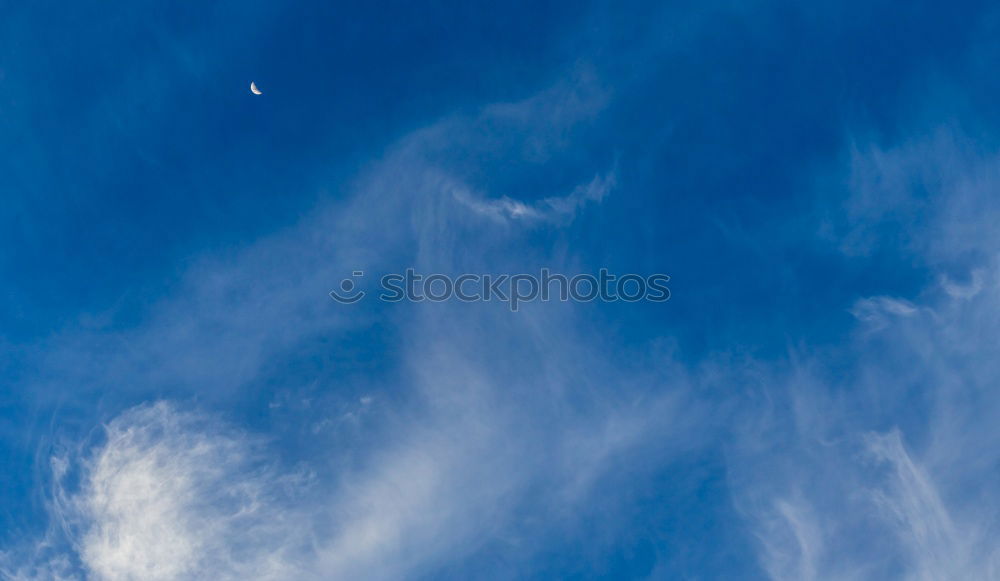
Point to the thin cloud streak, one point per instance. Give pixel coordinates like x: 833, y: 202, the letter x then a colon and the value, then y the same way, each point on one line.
x: 881, y: 471
x: 448, y: 466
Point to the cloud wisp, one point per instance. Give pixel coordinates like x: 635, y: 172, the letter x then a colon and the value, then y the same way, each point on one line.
x: 556, y: 209
x: 882, y: 470
x: 450, y: 459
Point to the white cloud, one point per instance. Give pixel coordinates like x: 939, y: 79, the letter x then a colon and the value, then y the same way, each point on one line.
x: 468, y: 447
x: 876, y: 311
x: 964, y: 291
x: 882, y: 467
x: 916, y: 513
x: 790, y: 540
x: 171, y: 495
x: 550, y: 209
x: 461, y: 454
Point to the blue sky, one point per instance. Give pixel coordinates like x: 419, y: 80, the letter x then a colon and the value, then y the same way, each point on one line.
x: 181, y: 399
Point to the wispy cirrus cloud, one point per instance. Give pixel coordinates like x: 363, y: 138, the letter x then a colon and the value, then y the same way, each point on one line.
x: 472, y: 435
x: 548, y: 209
x: 172, y: 494
x: 451, y: 457
x: 881, y: 470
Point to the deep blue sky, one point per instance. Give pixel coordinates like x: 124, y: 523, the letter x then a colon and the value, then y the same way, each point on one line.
x: 818, y: 181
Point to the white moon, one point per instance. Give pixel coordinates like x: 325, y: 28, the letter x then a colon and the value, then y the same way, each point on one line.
x: 254, y: 89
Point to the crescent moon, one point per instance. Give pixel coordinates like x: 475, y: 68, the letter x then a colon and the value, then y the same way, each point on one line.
x: 254, y: 89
